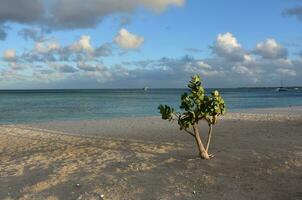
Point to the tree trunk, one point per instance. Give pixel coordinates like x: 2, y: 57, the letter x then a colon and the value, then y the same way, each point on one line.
x: 209, y: 137
x: 202, y: 151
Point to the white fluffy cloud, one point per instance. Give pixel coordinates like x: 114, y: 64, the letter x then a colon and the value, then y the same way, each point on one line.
x: 9, y: 55
x: 247, y: 73
x: 243, y: 70
x: 204, y: 65
x: 202, y: 68
x: 270, y: 49
x: 44, y: 47
x: 227, y: 46
x: 227, y: 42
x: 127, y: 40
x: 51, y: 51
x: 90, y: 67
x: 82, y: 45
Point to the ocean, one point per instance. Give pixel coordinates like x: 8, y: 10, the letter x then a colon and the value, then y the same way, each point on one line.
x: 21, y: 106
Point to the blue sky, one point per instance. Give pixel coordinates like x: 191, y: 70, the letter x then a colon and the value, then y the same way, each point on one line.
x: 159, y: 43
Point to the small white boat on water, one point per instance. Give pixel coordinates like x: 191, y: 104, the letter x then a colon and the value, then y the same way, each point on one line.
x: 281, y: 89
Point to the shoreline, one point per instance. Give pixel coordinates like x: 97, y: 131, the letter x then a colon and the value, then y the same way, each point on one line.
x: 292, y: 111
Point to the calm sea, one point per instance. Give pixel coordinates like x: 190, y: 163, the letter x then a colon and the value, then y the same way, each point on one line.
x: 43, y: 105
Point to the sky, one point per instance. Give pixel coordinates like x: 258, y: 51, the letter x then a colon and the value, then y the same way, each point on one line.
x: 60, y: 44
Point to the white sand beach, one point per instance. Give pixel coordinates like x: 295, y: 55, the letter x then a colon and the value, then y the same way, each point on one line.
x: 258, y: 155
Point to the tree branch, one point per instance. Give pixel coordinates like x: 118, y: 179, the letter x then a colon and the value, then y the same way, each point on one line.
x: 200, y: 118
x: 173, y: 117
x: 189, y: 132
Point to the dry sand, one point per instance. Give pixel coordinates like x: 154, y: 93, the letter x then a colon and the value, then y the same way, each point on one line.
x: 258, y: 155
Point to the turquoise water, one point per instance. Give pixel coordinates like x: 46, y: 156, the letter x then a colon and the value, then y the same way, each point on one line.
x: 44, y: 105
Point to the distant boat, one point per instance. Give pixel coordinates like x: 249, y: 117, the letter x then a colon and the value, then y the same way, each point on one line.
x: 296, y: 88
x: 145, y: 89
x: 281, y: 89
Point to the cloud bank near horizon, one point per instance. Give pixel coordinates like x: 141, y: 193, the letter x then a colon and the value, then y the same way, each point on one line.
x: 50, y: 65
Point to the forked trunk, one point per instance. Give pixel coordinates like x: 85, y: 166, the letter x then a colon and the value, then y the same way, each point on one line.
x: 209, y: 137
x: 202, y: 151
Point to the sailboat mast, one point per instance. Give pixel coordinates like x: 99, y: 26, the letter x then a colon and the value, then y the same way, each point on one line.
x: 282, y: 83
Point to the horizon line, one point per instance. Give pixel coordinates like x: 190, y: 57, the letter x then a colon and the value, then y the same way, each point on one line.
x: 156, y: 88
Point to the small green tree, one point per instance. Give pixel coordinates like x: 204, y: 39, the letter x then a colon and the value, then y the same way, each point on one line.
x: 196, y: 106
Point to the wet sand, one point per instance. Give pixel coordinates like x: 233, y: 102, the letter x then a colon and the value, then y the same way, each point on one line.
x: 258, y: 155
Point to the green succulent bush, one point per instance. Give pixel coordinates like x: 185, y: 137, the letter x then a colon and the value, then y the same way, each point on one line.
x: 196, y: 106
